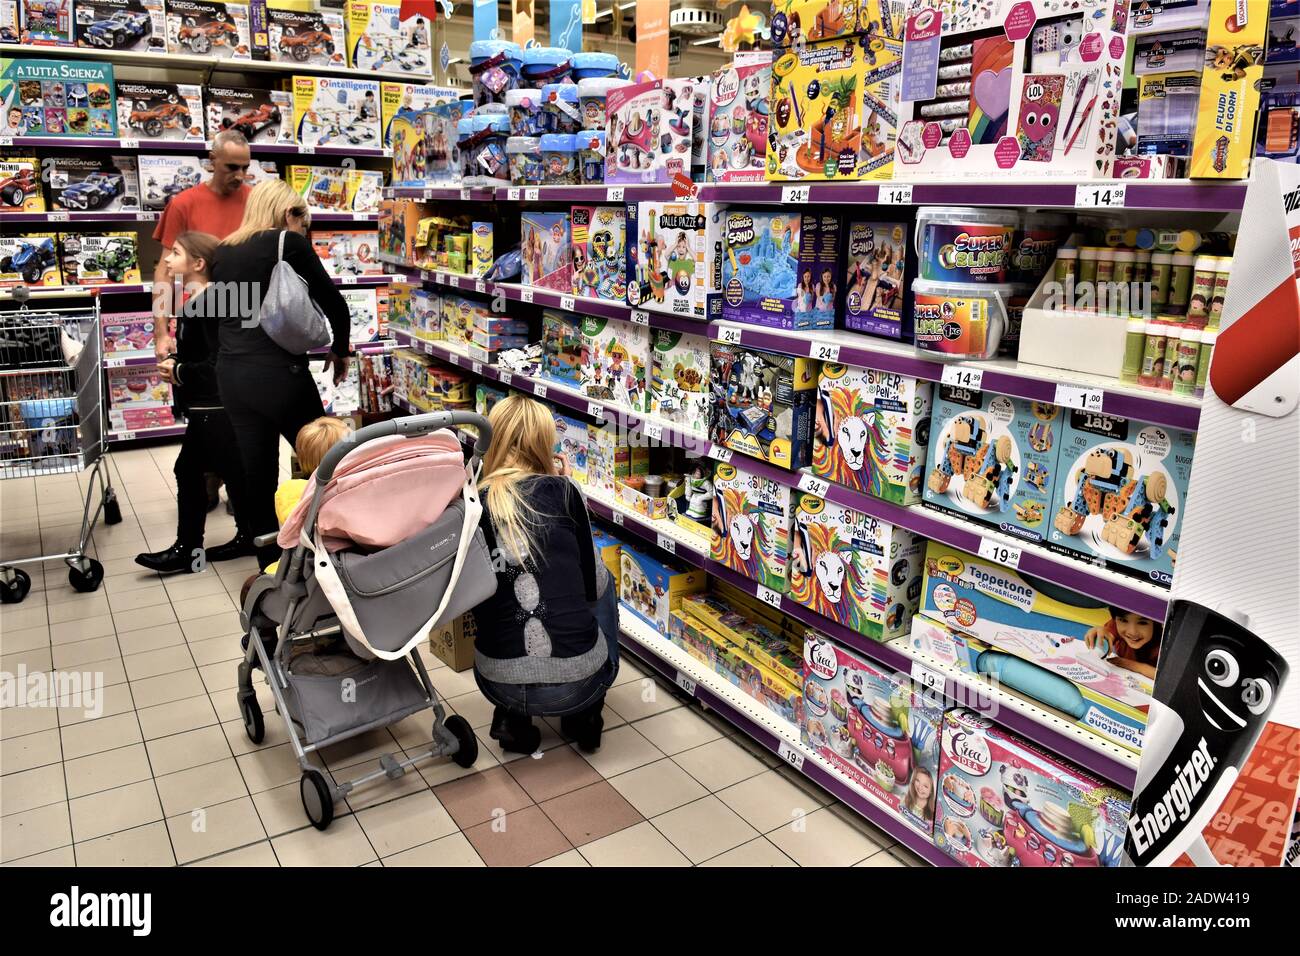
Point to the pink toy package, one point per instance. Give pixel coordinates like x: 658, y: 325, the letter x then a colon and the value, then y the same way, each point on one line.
x: 738, y: 112
x: 874, y: 726
x: 128, y: 333
x: 633, y: 128
x: 1003, y: 802
x: 677, y: 128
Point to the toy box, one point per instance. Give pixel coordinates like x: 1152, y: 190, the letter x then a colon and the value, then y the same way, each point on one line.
x: 336, y: 111
x: 1004, y: 802
x: 738, y: 118
x: 571, y: 442
x: 653, y: 589
x: 994, y: 458
x: 1278, y: 136
x: 633, y: 134
x: 1119, y: 486
x: 745, y: 627
x: 31, y: 259
x: 426, y: 314
x: 615, y: 361
x: 93, y: 183
x: 336, y: 189
x: 762, y: 404
x: 869, y: 722
x: 424, y: 140
x: 160, y: 111
x: 10, y: 21
x: 348, y: 253
x: 20, y: 184
x: 607, y: 547
x: 409, y: 100
x: 610, y: 459
x: 871, y: 431
x: 363, y: 306
x: 676, y: 261
x: 379, y: 38
x: 342, y: 398
x: 729, y: 661
x: 855, y: 569
x: 546, y: 250
x: 163, y: 176
x: 136, y: 26
x: 677, y: 125
x: 780, y: 268
x: 751, y: 525
x: 133, y: 389
x: 876, y: 279
x: 562, y: 352
x: 700, y: 129
x: 128, y: 333
x: 96, y: 258
x: 376, y: 380
x: 57, y: 98
x: 679, y: 379
x: 205, y: 28
x: 1013, y: 88
x: 309, y: 36
x: 262, y: 116
x: 47, y: 22
x: 398, y: 224
x: 1230, y: 79
x: 486, y: 398
x: 599, y: 236
x: 833, y: 110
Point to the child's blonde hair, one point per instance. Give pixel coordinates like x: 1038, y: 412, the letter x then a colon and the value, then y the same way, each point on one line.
x: 316, y: 438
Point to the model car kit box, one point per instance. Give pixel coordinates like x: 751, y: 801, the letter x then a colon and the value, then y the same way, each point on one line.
x: 335, y: 189
x: 679, y: 379
x: 336, y: 111
x: 312, y: 36
x: 163, y: 176
x: 675, y: 260
x: 780, y: 268
x: 751, y: 525
x: 380, y: 38
x: 135, y: 26
x: 20, y: 184
x: 31, y: 259
x: 90, y: 182
x: 160, y: 111
x: 762, y: 403
x: 262, y: 116
x: 205, y: 28
x: 98, y: 258
x: 57, y: 98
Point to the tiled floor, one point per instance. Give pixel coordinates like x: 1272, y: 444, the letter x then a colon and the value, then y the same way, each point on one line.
x: 165, y: 775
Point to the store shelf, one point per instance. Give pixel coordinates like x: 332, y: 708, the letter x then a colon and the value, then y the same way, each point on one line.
x: 585, y: 194
x: 385, y: 279
x: 84, y: 216
x: 445, y: 193
x: 776, y: 735
x: 130, y: 361
x: 141, y: 434
x: 78, y: 291
x: 318, y: 217
x: 130, y: 144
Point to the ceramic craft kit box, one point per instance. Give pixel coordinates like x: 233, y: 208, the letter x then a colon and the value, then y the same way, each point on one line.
x: 994, y: 458
x: 129, y: 26
x: 780, y: 269
x: 677, y: 126
x: 1019, y: 88
x: 380, y: 38
x: 262, y: 116
x: 751, y: 525
x: 160, y: 111
x: 871, y: 431
x: 336, y: 111
x: 1004, y: 802
x: 763, y: 404
x: 634, y: 115
x: 599, y: 237
x: 679, y: 379
x: 546, y: 250
x: 221, y: 31
x: 57, y: 98
x: 97, y: 258
x: 1120, y: 489
x: 675, y: 262
x: 876, y: 287
x: 738, y: 118
x: 653, y: 589
x: 316, y: 37
x: 20, y: 184
x: 869, y: 723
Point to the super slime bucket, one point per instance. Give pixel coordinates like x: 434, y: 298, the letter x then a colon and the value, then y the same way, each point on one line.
x: 964, y: 244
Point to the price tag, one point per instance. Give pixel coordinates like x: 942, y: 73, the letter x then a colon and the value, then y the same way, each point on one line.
x: 1100, y: 195
x: 595, y: 410
x: 115, y: 362
x: 790, y: 755
x: 614, y: 194
x: 129, y: 143
x: 426, y: 194
x: 6, y: 140
x: 480, y: 285
x: 824, y: 352
x: 477, y: 367
x: 814, y: 485
x: 1075, y: 396
x: 512, y: 194
x: 962, y: 377
x: 307, y: 150
x: 653, y: 430
x: 57, y: 217
x: 768, y: 596
x: 531, y: 194
x: 718, y: 453
x: 667, y: 543
x: 505, y: 378
x: 795, y: 194
x: 1007, y: 555
x: 927, y: 678
x: 525, y: 295
x: 453, y: 358
x: 440, y: 278
x: 617, y: 518
x: 126, y: 436
x: 640, y: 317
x: 464, y: 193
x: 685, y: 683
x: 567, y: 303
x: 539, y: 389
x: 729, y: 335
x: 895, y: 195
x: 389, y: 345
x: 147, y: 216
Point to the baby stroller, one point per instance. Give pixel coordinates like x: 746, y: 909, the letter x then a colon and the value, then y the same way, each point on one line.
x: 384, y: 547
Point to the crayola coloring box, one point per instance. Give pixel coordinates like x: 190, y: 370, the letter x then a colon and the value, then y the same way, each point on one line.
x: 780, y: 268
x: 751, y: 525
x: 679, y: 379
x: 675, y: 261
x: 871, y: 431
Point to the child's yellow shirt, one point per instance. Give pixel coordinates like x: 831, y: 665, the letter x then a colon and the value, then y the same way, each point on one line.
x: 287, y: 497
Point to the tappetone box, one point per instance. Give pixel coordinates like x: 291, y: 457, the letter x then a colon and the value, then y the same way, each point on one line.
x: 336, y: 111
x: 57, y: 98
x: 675, y: 260
x: 205, y: 28
x: 262, y: 116
x: 316, y: 37
x: 20, y: 184
x: 751, y: 525
x: 98, y: 258
x: 160, y: 111
x: 135, y: 26
x: 780, y: 269
x: 380, y: 38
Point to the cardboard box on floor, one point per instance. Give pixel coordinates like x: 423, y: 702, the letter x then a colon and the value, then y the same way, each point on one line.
x: 453, y: 643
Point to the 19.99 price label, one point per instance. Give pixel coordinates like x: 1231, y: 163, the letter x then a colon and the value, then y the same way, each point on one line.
x: 927, y: 678
x: 790, y: 754
x: 1007, y: 555
x: 667, y: 543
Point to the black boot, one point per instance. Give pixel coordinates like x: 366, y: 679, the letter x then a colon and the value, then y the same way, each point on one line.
x: 177, y: 559
x: 584, y: 728
x: 240, y: 546
x: 515, y: 732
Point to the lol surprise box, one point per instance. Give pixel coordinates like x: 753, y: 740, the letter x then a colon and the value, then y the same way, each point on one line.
x: 675, y: 262
x: 871, y: 431
x: 994, y: 458
x: 751, y: 525
x: 546, y: 252
x: 762, y: 403
x: 1018, y: 88
x: 780, y: 268
x: 738, y: 118
x: 633, y: 130
x: 1119, y: 488
x: 599, y: 236
x: 874, y: 727
x: 1004, y: 802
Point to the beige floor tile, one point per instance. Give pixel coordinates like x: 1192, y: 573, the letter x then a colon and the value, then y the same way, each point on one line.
x: 94, y: 605
x: 760, y: 852
x: 719, y: 764
x: 622, y: 749
x: 629, y: 671
x: 130, y: 579
x: 217, y: 650
x: 63, y: 858
x: 21, y: 721
x: 23, y: 616
x: 203, y: 786
x: 37, y: 659
x: 220, y: 677
x: 269, y: 767
x: 113, y: 810
x: 572, y: 858
x: 108, y: 770
x: 642, y: 698
x: 218, y: 625
x: 453, y: 850
x: 147, y: 845
x: 205, y: 606
x: 358, y: 750
x: 176, y: 717
x: 275, y: 732
x: 192, y: 748
x: 343, y: 844
x: 823, y: 839
x: 31, y: 789
x: 107, y: 701
x: 29, y: 751
x: 768, y: 801
x: 96, y: 736
x: 450, y: 683
x: 259, y: 854
x: 405, y: 823
x: 182, y: 589
x: 474, y: 707
x: 703, y: 829
x: 83, y: 655
x: 137, y: 598
x: 676, y: 730
x: 280, y: 809
x: 34, y: 831
x: 381, y: 789
x: 167, y: 660
x: 637, y: 846
x: 144, y: 617
x: 213, y: 830
x: 150, y: 639
x: 166, y: 688
x: 74, y: 631
x: 14, y: 640
x: 658, y: 787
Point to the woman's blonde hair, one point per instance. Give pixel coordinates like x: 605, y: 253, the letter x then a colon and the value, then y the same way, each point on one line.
x: 316, y: 438
x: 523, y: 445
x: 269, y: 205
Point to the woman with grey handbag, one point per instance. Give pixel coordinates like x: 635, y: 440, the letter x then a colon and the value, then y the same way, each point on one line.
x: 274, y: 301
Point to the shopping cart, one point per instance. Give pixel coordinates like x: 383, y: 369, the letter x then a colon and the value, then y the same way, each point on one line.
x: 52, y: 423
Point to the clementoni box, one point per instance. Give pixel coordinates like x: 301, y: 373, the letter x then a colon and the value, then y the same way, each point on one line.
x: 20, y: 184
x: 347, y: 253
x: 781, y: 269
x: 599, y: 236
x: 652, y: 589
x: 335, y: 189
x: 751, y: 525
x: 675, y: 262
x: 336, y: 111
x: 634, y: 116
x: 363, y: 306
x: 315, y: 37
x: 262, y: 116
x: 135, y: 26
x: 875, y: 726
x: 762, y: 404
x: 47, y: 22
x: 31, y: 259
x: 57, y: 98
x: 380, y: 38
x: 738, y: 118
x: 875, y: 286
x: 546, y: 250
x: 871, y: 431
x: 160, y: 111
x: 163, y: 176
x: 205, y: 28
x: 679, y: 379
x: 96, y: 258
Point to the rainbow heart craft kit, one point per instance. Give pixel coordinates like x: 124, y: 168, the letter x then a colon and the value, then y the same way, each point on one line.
x: 780, y: 269
x: 751, y: 525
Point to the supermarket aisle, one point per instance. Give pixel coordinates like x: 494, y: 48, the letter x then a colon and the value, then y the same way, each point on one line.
x: 166, y: 775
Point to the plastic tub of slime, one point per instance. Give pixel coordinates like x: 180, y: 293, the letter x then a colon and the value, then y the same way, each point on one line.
x: 559, y: 159
x: 592, y: 66
x: 591, y: 99
x: 464, y: 130
x: 493, y: 69
x: 965, y: 244
x: 544, y: 64
x: 960, y: 320
x: 525, y: 157
x: 560, y: 104
x: 484, y: 151
x: 591, y: 156
x: 526, y: 115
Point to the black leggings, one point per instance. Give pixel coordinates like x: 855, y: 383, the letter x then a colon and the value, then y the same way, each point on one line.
x: 208, y: 446
x: 265, y: 402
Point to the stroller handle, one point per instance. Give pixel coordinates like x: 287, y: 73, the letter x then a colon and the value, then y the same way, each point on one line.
x: 412, y: 426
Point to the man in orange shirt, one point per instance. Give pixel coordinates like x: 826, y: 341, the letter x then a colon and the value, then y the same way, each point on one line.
x: 216, y: 207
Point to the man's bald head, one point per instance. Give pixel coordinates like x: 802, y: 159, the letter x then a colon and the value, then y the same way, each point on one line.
x: 230, y: 160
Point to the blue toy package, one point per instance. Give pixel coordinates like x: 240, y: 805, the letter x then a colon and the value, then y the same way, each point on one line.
x: 562, y: 348
x: 571, y: 443
x: 57, y: 98
x: 1119, y: 489
x: 652, y: 589
x: 780, y: 269
x: 993, y: 458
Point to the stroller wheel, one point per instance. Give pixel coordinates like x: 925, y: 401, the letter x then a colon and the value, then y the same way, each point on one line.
x: 88, y: 579
x: 317, y: 798
x: 252, y: 714
x: 467, y: 752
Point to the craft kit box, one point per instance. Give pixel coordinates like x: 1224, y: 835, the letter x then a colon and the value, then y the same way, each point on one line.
x: 763, y: 404
x: 562, y: 351
x: 675, y: 262
x: 679, y: 379
x: 262, y: 116
x: 599, y: 236
x: 1119, y: 490
x: 653, y: 589
x: 634, y: 115
x: 738, y: 118
x: 334, y: 189
x: 1004, y: 802
x: 336, y: 111
x: 677, y: 126
x: 20, y: 184
x: 876, y: 282
x: 608, y: 459
x: 768, y: 646
x: 872, y: 725
x: 128, y: 333
x: 134, y: 26
x: 221, y: 31
x: 615, y: 361
x: 380, y: 38
x: 994, y: 458
x: 10, y: 22
x: 347, y: 253
x: 163, y: 176
x: 608, y: 547
x: 57, y: 98
x: 571, y: 443
x: 97, y: 258
x: 780, y: 269
x: 160, y: 111
x: 136, y: 387
x: 871, y: 431
x: 45, y: 23
x: 315, y: 37
x: 546, y: 250
x: 726, y: 659
x: 751, y: 525
x: 31, y: 259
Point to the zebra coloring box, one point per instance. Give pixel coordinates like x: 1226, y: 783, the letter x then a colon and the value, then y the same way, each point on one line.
x: 751, y: 525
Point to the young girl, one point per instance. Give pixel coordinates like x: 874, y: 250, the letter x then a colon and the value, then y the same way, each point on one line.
x: 920, y: 795
x: 209, y: 444
x: 805, y: 296
x: 1131, y: 641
